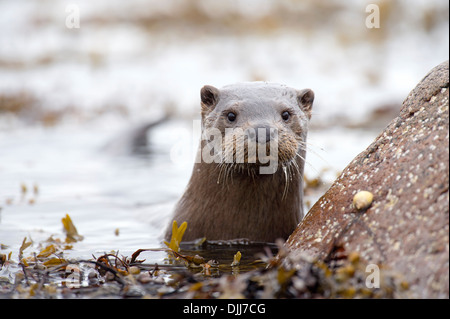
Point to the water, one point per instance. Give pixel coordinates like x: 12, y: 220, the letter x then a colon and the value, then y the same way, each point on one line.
x: 66, y: 170
x: 73, y: 176
x: 70, y: 97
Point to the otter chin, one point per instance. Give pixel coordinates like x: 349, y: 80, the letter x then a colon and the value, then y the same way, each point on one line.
x: 247, y: 181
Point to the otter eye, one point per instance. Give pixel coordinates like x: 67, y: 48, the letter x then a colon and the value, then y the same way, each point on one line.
x: 285, y: 115
x: 231, y: 117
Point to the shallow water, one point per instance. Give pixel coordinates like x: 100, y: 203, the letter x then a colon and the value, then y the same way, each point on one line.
x: 66, y: 170
x: 101, y: 193
x: 77, y: 93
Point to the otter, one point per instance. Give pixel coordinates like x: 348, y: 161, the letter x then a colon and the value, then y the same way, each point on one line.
x: 238, y: 190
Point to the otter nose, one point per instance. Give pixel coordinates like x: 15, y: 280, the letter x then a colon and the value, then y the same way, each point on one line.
x: 261, y: 134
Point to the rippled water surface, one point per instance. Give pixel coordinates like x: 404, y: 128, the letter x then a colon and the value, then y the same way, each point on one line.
x: 117, y: 201
x: 70, y: 100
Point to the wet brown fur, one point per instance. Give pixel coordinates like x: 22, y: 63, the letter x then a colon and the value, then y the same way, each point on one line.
x: 233, y: 200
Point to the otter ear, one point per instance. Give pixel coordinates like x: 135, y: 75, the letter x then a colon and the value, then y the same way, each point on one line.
x: 209, y: 96
x: 305, y: 99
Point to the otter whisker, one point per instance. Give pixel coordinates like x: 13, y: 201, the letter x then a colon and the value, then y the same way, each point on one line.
x: 310, y: 148
x: 220, y: 168
x: 301, y: 157
x: 286, y: 184
x: 222, y: 176
x: 307, y: 163
x: 295, y: 164
x: 229, y: 173
x: 307, y: 143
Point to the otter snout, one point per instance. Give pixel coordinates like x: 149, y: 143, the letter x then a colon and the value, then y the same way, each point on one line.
x: 261, y: 134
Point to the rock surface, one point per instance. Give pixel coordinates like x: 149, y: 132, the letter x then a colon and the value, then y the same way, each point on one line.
x: 406, y: 228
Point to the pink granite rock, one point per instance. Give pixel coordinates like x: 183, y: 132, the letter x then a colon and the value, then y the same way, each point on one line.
x: 406, y: 168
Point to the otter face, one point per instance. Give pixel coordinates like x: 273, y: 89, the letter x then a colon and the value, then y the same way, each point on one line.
x: 255, y: 124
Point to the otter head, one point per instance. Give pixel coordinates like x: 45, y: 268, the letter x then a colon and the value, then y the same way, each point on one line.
x: 255, y: 125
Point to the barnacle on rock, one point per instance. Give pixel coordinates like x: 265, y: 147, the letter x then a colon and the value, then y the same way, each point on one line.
x: 362, y: 200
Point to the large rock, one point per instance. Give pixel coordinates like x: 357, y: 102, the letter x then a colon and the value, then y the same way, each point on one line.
x: 406, y: 168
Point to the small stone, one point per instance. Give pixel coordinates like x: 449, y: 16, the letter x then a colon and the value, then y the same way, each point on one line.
x: 144, y: 278
x: 133, y: 270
